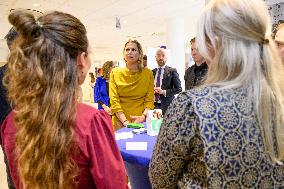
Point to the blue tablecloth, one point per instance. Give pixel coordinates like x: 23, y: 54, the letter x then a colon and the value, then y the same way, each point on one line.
x: 137, y: 161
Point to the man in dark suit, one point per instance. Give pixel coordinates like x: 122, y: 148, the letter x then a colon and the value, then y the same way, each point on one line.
x: 167, y: 82
x: 4, y: 104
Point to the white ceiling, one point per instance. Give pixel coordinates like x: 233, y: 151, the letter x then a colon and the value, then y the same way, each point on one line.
x: 141, y: 18
x: 137, y: 17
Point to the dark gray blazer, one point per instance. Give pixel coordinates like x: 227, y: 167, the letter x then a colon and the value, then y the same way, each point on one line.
x: 195, y: 75
x: 171, y: 83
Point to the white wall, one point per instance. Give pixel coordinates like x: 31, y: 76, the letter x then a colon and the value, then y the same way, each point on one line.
x: 4, y: 51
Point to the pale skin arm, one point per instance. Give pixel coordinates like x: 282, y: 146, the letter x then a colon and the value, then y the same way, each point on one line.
x: 122, y: 118
x: 106, y: 108
x: 134, y: 119
x: 140, y: 119
x: 159, y: 90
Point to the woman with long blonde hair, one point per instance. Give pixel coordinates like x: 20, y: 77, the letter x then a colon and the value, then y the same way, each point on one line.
x: 51, y: 140
x: 131, y: 89
x: 229, y: 132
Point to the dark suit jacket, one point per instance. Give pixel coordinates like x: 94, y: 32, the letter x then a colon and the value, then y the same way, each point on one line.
x: 194, y: 75
x: 171, y: 83
x: 4, y: 104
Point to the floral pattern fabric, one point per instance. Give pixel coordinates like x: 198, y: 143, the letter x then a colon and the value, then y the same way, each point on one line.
x: 210, y: 138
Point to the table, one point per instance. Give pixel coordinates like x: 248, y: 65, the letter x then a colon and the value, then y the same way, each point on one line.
x: 137, y: 161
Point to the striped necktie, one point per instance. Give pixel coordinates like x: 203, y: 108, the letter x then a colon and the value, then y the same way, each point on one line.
x: 158, y: 84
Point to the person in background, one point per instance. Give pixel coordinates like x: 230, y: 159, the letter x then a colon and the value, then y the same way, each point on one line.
x: 4, y: 104
x: 92, y: 82
x: 145, y: 61
x: 93, y: 78
x: 102, y: 87
x: 131, y: 88
x: 279, y: 40
x: 195, y: 74
x: 167, y: 82
x: 227, y: 133
x: 50, y: 139
x: 100, y: 72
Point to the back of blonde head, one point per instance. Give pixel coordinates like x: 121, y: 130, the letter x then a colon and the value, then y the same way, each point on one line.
x: 235, y: 36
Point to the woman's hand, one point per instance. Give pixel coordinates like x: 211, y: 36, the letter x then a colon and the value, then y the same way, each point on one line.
x: 107, y: 109
x: 138, y: 119
x: 159, y: 90
x: 125, y: 123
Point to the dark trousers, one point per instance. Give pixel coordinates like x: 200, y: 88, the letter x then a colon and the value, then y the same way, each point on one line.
x: 157, y: 105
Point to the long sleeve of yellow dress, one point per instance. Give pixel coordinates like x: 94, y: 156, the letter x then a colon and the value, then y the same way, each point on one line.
x: 130, y: 92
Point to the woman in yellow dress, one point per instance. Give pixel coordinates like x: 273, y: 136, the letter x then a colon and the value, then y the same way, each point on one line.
x: 131, y: 89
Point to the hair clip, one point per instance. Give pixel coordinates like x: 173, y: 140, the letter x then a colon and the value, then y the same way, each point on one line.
x: 265, y: 41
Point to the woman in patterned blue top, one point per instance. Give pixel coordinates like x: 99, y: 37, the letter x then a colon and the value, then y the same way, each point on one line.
x: 229, y: 132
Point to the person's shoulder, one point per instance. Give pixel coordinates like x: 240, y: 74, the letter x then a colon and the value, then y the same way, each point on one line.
x: 209, y: 95
x: 91, y: 124
x: 190, y: 96
x: 99, y: 79
x: 85, y: 109
x: 8, y: 125
x: 147, y: 71
x: 10, y: 117
x: 117, y: 70
x: 85, y: 115
x: 187, y: 71
x: 171, y: 69
x: 189, y: 68
x: 153, y: 70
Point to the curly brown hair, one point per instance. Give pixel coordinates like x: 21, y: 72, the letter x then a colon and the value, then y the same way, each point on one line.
x: 42, y: 83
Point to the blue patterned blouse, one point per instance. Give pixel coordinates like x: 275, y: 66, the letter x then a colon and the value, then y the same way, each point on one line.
x: 210, y: 138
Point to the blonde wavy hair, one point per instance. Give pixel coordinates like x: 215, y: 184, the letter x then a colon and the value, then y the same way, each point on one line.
x: 140, y: 51
x: 108, y: 65
x: 235, y: 36
x: 42, y: 83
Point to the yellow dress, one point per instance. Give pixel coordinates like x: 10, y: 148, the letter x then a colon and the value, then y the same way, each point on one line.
x: 130, y: 92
